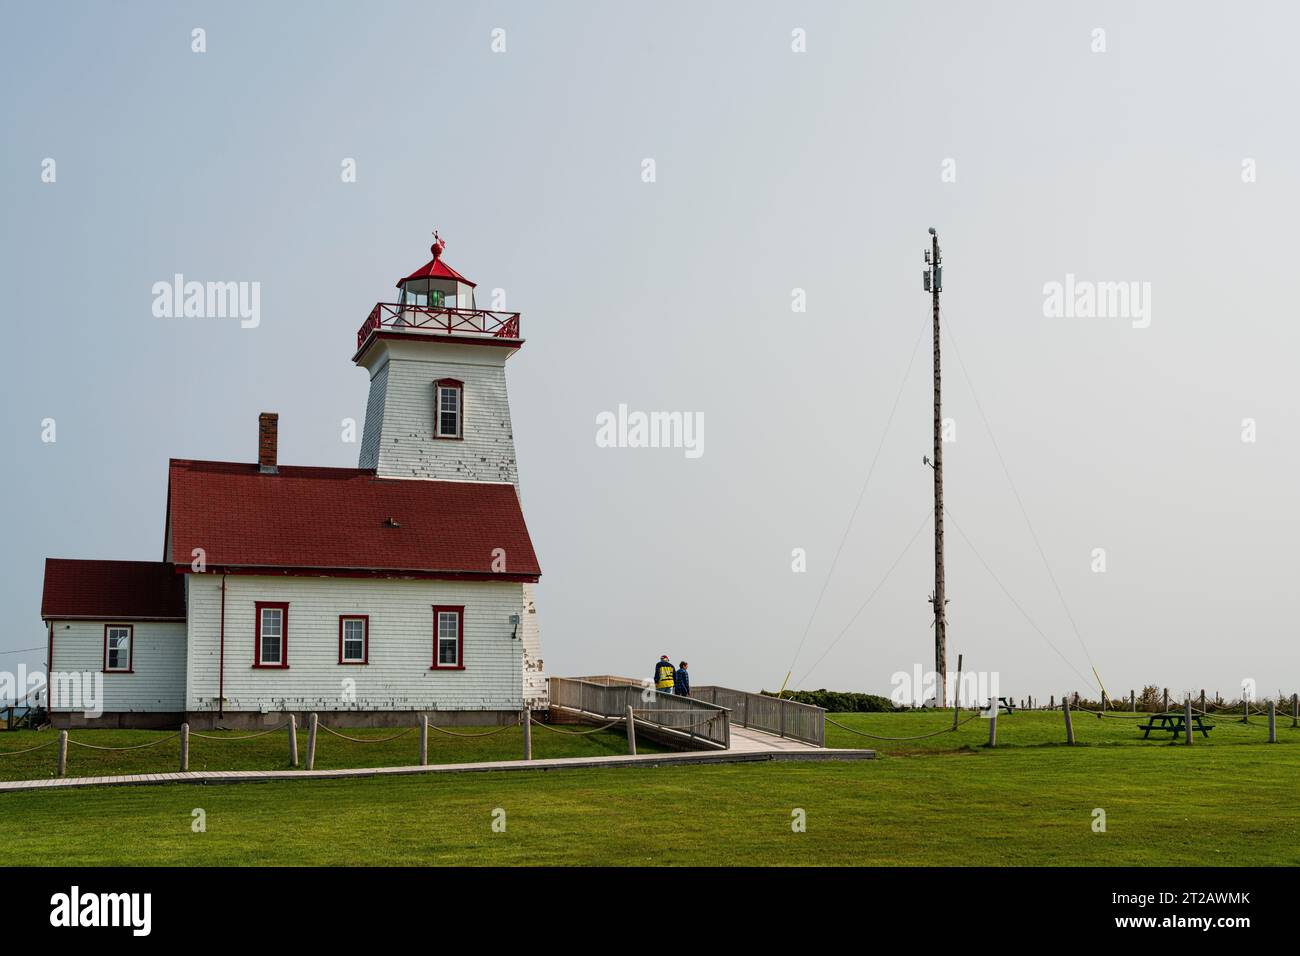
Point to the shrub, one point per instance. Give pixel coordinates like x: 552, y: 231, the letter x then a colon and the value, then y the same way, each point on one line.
x: 840, y: 702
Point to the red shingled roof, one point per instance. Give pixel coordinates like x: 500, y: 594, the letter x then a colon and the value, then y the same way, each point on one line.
x: 112, y: 590
x: 337, y: 519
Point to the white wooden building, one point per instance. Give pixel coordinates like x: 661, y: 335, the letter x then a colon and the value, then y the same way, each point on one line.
x: 365, y: 594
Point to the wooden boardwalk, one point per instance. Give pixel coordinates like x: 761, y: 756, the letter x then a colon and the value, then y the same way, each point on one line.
x: 748, y: 746
x: 748, y: 740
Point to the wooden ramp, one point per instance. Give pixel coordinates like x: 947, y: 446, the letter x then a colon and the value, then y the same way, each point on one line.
x: 750, y: 740
x: 711, y: 720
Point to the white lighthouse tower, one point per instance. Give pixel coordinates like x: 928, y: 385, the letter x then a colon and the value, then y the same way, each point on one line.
x: 438, y: 409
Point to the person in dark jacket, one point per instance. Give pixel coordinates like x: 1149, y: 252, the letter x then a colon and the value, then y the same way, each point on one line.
x: 665, y: 676
x: 682, y: 681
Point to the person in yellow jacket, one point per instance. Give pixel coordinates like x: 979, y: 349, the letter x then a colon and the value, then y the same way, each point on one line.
x: 665, y: 675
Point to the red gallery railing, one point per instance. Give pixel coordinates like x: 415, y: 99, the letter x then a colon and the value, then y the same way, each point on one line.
x: 479, y: 323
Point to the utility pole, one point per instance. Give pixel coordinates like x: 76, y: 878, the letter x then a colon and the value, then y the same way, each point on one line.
x: 933, y: 282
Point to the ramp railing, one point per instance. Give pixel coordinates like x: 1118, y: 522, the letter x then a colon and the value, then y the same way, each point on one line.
x: 785, y: 718
x: 689, y: 719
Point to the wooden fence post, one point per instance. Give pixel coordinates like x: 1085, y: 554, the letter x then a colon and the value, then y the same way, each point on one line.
x: 1245, y: 709
x: 631, y: 732
x: 1165, y: 707
x: 1202, y: 700
x: 311, y: 740
x: 1272, y: 721
x: 1295, y: 710
x: 993, y: 726
x: 1133, y: 701
x: 1051, y: 703
x: 293, y: 740
x: 185, y: 747
x: 1069, y: 725
x: 1187, y: 719
x: 956, y: 695
x: 526, y: 719
x: 424, y: 740
x: 63, y: 752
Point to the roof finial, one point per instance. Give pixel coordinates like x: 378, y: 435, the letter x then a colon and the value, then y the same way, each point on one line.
x: 438, y: 245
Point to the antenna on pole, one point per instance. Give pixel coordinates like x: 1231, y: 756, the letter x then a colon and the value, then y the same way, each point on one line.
x: 932, y: 282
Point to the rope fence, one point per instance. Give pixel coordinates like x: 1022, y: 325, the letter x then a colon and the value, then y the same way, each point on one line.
x: 1101, y: 713
x: 579, y: 733
x: 1175, y: 727
x: 366, y: 740
x: 313, y: 725
x: 486, y: 733
x: 263, y: 733
x: 667, y: 719
x: 15, y: 753
x: 152, y: 743
x: 937, y: 733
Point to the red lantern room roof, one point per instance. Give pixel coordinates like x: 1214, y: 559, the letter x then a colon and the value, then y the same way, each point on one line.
x: 435, y: 268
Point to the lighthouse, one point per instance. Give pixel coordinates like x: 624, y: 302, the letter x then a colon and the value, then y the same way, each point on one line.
x: 359, y: 595
x: 438, y: 409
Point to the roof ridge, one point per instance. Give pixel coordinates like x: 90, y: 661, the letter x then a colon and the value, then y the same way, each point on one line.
x: 207, y: 462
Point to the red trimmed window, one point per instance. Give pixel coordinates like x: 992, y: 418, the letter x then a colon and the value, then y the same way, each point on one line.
x: 272, y: 634
x: 448, y: 637
x: 448, y: 408
x: 354, y: 638
x: 119, y: 648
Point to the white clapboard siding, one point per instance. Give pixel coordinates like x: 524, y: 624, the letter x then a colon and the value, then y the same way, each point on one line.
x: 398, y: 438
x: 536, y: 686
x: 374, y: 418
x: 158, y: 660
x: 398, y: 676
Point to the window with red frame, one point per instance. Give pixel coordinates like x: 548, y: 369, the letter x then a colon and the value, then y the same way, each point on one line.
x: 354, y: 639
x: 448, y: 637
x: 272, y: 635
x: 449, y: 408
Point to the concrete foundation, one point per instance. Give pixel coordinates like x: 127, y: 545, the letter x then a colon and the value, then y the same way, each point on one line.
x: 149, y: 720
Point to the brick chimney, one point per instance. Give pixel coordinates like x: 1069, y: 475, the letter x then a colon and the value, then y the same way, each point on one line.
x: 268, y: 440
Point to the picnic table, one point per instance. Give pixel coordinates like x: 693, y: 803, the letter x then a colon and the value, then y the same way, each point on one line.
x: 1174, y: 721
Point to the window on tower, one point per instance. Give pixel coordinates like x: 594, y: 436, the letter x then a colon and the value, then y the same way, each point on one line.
x: 449, y: 408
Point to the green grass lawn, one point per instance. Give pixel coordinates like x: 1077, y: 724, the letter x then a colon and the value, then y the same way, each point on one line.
x: 1229, y: 802
x: 271, y: 751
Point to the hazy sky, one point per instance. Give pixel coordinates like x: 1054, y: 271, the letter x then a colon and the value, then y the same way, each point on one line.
x: 775, y: 170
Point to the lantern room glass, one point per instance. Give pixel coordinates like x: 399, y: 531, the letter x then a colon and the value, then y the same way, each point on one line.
x: 434, y: 294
